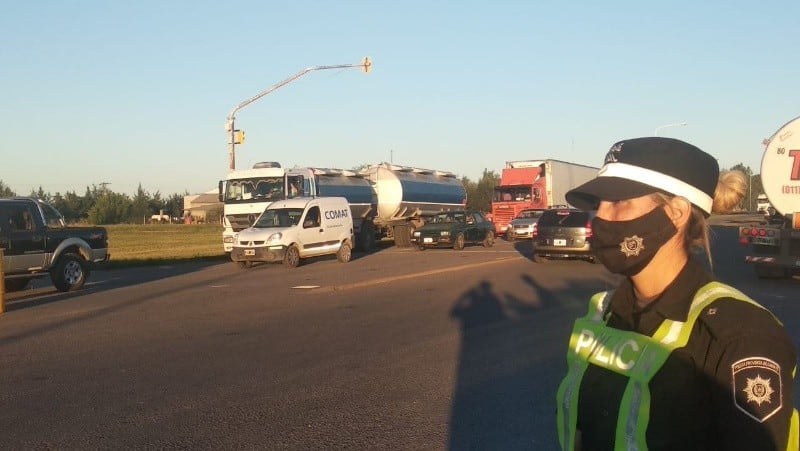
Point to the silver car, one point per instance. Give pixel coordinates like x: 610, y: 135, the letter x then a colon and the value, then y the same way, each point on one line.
x: 522, y: 226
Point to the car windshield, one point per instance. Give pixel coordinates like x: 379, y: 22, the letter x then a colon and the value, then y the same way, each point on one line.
x: 527, y: 214
x: 565, y: 218
x: 448, y: 217
x: 279, y: 217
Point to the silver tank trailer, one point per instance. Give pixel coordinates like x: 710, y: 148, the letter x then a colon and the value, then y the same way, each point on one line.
x: 406, y: 194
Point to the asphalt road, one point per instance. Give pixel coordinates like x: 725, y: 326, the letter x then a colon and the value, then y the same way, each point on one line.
x: 398, y: 349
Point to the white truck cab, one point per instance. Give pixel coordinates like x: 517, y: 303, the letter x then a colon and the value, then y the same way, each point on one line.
x: 293, y: 229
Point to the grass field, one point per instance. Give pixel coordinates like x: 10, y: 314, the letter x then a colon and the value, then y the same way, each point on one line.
x: 132, y: 245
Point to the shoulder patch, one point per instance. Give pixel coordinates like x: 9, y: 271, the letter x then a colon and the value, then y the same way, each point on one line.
x: 757, y: 387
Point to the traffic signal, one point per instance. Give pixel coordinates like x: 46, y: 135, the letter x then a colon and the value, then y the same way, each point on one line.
x: 238, y: 136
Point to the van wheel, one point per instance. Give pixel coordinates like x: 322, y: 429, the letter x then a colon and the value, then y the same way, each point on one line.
x: 345, y: 253
x: 69, y: 273
x: 458, y: 244
x: 488, y: 241
x: 292, y: 257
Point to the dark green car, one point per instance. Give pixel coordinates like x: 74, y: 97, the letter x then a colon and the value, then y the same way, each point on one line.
x: 454, y: 229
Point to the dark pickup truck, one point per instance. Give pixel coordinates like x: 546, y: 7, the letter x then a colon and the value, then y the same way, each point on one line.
x: 36, y: 242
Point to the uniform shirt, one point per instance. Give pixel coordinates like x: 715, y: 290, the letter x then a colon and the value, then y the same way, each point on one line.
x: 719, y: 392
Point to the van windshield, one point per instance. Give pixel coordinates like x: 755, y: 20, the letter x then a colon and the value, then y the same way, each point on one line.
x: 279, y: 217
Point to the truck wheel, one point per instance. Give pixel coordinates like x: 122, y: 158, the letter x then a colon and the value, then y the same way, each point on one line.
x: 770, y: 272
x: 458, y: 244
x: 345, y: 253
x: 292, y: 257
x: 488, y: 241
x: 16, y: 284
x: 402, y: 235
x: 366, y: 237
x: 69, y: 273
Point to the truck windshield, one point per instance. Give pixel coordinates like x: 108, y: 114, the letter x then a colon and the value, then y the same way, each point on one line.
x: 257, y: 188
x: 279, y: 217
x: 510, y: 194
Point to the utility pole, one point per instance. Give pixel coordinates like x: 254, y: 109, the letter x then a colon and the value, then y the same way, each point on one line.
x: 365, y: 65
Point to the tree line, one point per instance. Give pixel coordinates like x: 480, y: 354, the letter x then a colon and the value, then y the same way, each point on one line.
x: 100, y: 205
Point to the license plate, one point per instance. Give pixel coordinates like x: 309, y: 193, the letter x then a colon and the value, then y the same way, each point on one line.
x: 765, y: 240
x: 427, y: 240
x: 559, y: 242
x: 249, y: 252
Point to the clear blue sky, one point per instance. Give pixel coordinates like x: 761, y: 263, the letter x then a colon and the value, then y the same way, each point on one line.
x: 138, y: 92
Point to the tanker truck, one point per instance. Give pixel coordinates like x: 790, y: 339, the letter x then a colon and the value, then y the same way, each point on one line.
x: 387, y: 201
x: 775, y: 243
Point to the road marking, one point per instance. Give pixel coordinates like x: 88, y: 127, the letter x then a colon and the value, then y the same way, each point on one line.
x: 367, y: 283
x: 305, y: 287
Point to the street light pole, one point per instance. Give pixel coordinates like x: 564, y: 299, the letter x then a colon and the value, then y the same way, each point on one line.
x: 365, y: 65
x: 678, y: 124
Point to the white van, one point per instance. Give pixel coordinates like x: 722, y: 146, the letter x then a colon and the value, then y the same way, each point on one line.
x: 294, y: 229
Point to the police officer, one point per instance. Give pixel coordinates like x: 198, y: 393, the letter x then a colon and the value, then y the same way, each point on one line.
x: 671, y: 359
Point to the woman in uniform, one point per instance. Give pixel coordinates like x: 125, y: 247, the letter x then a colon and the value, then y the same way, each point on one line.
x: 671, y: 359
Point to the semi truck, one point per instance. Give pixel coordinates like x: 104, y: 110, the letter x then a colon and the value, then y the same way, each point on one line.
x: 774, y: 244
x: 245, y: 193
x: 387, y: 200
x: 534, y: 184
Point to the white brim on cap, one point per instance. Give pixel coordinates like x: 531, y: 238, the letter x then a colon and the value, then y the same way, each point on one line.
x: 658, y: 180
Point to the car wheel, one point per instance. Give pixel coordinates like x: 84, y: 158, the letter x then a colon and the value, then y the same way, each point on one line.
x: 69, y: 273
x: 292, y: 257
x: 421, y: 246
x: 539, y: 258
x: 458, y: 243
x: 488, y: 240
x: 16, y: 284
x: 244, y: 265
x: 345, y: 253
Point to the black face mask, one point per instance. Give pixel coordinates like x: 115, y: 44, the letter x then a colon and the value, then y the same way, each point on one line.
x: 626, y: 247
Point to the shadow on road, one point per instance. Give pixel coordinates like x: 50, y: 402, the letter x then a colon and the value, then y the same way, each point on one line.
x: 504, y: 396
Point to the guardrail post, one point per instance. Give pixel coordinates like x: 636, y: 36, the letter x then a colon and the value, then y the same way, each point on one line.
x: 2, y: 285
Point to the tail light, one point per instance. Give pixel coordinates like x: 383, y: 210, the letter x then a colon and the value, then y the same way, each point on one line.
x: 588, y: 229
x: 535, y: 231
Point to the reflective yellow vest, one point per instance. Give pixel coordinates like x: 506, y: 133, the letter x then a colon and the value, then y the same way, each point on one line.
x: 636, y: 356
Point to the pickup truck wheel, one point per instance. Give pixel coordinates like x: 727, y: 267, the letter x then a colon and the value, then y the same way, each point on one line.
x: 16, y: 284
x: 458, y: 244
x: 488, y: 240
x: 345, y: 253
x: 69, y: 273
x: 292, y: 257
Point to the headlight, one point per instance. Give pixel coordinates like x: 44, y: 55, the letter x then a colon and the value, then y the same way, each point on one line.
x: 275, y: 237
x: 445, y: 233
x: 416, y: 233
x: 228, y: 239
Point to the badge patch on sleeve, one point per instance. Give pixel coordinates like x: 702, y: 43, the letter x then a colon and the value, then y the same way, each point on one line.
x: 757, y: 387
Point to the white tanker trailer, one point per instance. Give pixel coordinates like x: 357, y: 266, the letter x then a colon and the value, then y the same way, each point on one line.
x: 775, y: 244
x: 386, y: 200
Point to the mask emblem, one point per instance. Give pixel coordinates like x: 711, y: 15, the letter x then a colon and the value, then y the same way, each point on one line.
x: 632, y: 245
